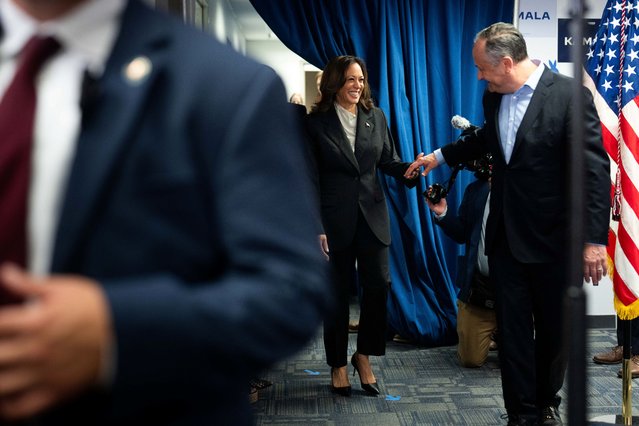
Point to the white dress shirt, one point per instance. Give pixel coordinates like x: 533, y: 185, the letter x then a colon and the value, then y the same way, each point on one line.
x: 349, y: 123
x: 512, y: 109
x: 87, y: 35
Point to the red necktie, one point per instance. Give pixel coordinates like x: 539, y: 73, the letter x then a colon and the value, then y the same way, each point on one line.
x: 17, y: 110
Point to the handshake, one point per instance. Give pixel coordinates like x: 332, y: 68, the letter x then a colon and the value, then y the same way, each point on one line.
x: 428, y: 162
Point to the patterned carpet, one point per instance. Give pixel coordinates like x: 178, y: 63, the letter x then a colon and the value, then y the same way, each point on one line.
x: 419, y: 386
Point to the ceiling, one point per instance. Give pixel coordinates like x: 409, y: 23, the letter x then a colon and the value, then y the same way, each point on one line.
x: 251, y: 23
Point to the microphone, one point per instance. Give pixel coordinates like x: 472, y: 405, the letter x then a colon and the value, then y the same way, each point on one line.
x: 460, y: 122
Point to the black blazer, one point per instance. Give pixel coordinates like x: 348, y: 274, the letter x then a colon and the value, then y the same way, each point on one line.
x: 529, y: 194
x: 465, y: 228
x: 211, y: 270
x: 347, y: 181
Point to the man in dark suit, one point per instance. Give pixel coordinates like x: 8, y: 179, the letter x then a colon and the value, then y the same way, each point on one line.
x: 476, y: 320
x: 527, y: 127
x: 182, y: 257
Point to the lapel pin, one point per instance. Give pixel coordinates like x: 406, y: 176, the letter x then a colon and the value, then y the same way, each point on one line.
x: 136, y: 71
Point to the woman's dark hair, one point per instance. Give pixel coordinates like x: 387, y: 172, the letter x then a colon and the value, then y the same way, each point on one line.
x: 333, y: 78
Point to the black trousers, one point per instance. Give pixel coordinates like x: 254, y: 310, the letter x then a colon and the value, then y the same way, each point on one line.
x: 530, y: 322
x: 367, y: 259
x: 634, y: 335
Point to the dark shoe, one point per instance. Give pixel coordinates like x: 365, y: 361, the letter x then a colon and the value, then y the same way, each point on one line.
x: 400, y: 339
x: 253, y: 395
x: 550, y: 416
x: 259, y: 384
x: 515, y: 420
x: 370, y: 388
x: 634, y: 367
x: 613, y: 356
x: 342, y: 390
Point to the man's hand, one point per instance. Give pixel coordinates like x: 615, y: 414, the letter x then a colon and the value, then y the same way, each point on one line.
x: 428, y: 162
x: 53, y: 346
x: 323, y: 241
x: 595, y: 266
x: 438, y: 208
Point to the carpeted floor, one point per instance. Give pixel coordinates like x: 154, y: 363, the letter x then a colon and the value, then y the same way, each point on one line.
x: 419, y: 387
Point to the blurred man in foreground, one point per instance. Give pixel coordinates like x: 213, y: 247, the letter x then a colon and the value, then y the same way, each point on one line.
x: 169, y: 253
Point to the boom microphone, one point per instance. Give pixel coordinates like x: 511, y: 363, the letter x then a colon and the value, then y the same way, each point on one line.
x: 460, y: 122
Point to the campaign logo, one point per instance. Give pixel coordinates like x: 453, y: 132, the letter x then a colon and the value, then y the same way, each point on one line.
x: 540, y: 22
x: 565, y: 39
x: 534, y: 16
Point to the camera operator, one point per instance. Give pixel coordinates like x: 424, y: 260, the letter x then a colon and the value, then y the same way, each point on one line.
x: 476, y: 320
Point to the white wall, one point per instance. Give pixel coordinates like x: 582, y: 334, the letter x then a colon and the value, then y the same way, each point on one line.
x: 224, y: 25
x: 286, y: 64
x: 273, y: 53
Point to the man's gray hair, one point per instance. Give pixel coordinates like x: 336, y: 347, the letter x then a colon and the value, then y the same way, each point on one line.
x: 503, y: 40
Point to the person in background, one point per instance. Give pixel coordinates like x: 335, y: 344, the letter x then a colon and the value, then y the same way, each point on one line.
x: 476, y: 321
x: 349, y: 142
x: 615, y: 354
x: 296, y: 103
x: 165, y: 265
x: 528, y: 128
x: 318, y: 80
x: 296, y: 98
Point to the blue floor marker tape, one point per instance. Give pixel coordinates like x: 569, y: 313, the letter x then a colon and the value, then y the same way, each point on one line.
x: 393, y: 397
x: 312, y: 373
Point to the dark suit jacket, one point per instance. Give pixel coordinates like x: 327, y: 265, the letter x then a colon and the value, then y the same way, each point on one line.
x: 347, y: 181
x: 188, y: 202
x: 465, y: 228
x: 529, y: 195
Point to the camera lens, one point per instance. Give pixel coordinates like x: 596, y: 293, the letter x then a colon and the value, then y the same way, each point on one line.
x: 435, y: 193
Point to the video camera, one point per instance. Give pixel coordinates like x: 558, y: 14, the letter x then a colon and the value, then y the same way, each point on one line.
x: 482, y: 167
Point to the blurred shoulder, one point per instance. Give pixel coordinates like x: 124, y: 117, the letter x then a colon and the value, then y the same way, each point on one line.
x: 189, y: 48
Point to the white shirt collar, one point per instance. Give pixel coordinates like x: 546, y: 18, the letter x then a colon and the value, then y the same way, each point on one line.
x: 344, y: 112
x: 88, y: 30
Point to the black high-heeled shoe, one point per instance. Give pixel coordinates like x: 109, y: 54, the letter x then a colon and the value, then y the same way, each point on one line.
x: 370, y: 388
x: 341, y: 390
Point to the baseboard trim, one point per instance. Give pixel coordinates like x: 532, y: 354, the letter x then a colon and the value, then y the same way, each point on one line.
x: 601, y: 321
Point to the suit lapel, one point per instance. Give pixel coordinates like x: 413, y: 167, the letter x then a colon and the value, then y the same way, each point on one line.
x: 336, y: 134
x: 534, y: 107
x: 494, y: 101
x: 365, y: 126
x: 107, y: 127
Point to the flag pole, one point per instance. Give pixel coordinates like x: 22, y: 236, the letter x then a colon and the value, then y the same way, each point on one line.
x: 624, y: 325
x: 575, y: 299
x: 626, y: 374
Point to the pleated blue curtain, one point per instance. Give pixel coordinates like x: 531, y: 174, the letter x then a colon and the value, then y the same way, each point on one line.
x: 421, y: 73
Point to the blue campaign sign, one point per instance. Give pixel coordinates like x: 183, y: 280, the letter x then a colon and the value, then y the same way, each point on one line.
x: 565, y: 40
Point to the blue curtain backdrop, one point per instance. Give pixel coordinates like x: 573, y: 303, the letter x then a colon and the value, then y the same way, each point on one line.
x: 421, y: 72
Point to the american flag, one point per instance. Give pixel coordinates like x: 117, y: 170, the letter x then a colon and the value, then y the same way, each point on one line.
x: 612, y: 64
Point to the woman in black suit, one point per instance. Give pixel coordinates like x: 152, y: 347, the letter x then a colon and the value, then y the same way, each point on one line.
x: 350, y: 141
